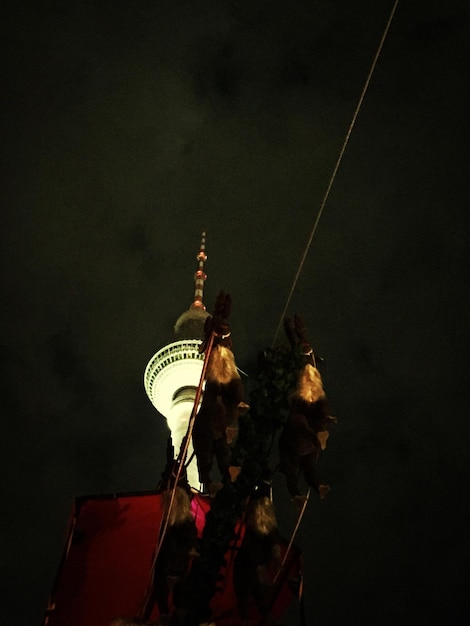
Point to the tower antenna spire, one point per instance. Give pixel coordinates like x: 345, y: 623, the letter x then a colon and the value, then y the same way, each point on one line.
x: 200, y: 276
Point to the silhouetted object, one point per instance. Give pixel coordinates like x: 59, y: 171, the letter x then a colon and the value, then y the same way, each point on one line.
x: 173, y: 468
x: 216, y: 425
x: 178, y: 548
x: 306, y: 430
x: 259, y: 551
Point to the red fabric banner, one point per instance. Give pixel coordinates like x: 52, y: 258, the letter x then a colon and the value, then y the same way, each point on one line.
x: 106, y: 567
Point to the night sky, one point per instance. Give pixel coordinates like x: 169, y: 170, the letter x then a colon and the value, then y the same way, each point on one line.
x: 127, y: 129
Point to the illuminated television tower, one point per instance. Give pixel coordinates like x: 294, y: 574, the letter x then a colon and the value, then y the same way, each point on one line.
x: 172, y: 375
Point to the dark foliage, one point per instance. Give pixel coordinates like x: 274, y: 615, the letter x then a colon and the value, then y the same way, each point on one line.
x: 275, y: 381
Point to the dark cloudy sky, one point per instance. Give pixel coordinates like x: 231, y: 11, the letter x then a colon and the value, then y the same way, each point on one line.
x: 127, y: 128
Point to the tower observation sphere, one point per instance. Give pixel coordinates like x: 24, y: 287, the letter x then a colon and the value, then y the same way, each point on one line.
x: 172, y: 375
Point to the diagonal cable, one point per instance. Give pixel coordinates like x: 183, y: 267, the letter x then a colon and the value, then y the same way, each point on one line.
x: 335, y: 170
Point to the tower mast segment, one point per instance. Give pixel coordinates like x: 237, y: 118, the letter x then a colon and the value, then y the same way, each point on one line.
x: 172, y: 375
x: 200, y: 276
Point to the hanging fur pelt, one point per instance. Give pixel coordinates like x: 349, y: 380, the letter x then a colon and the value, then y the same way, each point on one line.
x: 178, y: 548
x: 306, y: 430
x: 216, y: 424
x: 260, y: 549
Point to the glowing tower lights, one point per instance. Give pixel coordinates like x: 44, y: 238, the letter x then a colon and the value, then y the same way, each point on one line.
x: 172, y: 375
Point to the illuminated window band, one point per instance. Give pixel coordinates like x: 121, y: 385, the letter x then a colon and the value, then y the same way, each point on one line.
x: 178, y: 365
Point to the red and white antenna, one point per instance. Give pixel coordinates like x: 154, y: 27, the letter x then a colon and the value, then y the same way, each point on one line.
x: 200, y: 276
